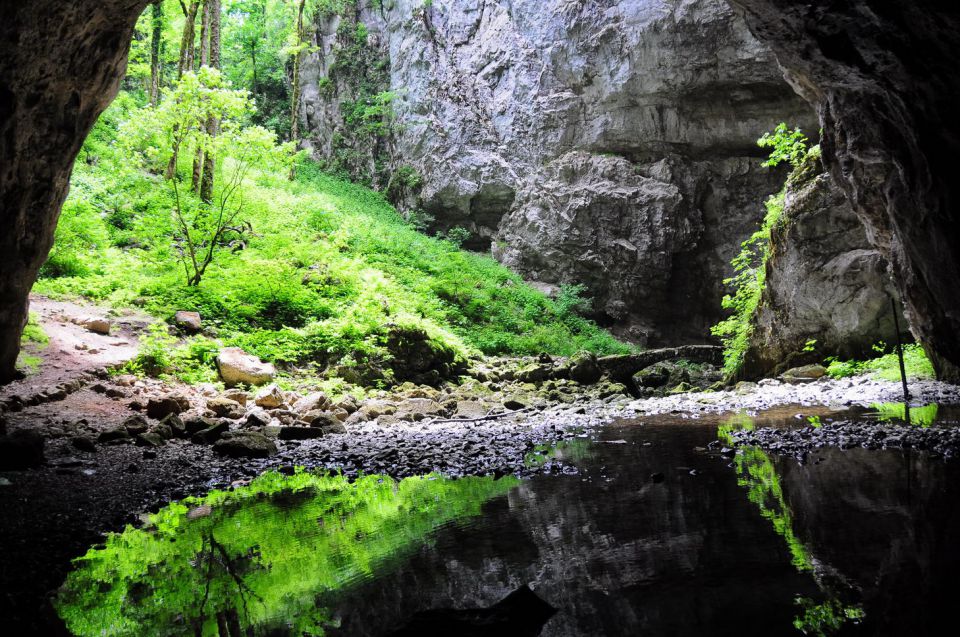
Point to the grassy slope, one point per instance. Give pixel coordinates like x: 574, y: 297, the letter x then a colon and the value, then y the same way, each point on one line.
x: 330, y: 265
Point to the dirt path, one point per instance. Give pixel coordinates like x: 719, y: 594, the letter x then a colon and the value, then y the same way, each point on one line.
x: 74, y: 350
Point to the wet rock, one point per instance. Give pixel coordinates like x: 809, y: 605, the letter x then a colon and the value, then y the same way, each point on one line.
x: 188, y: 322
x: 299, y: 433
x: 176, y: 425
x: 21, y: 449
x: 149, y: 439
x: 236, y: 366
x: 116, y: 434
x: 269, y: 397
x: 226, y: 408
x: 211, y: 434
x: 83, y: 443
x: 135, y: 424
x: 245, y: 444
x: 162, y: 406
x: 514, y: 403
x: 584, y: 369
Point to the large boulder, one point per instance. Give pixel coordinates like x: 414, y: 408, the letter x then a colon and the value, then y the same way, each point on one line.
x: 827, y: 290
x: 236, y: 366
x: 884, y: 79
x: 572, y: 139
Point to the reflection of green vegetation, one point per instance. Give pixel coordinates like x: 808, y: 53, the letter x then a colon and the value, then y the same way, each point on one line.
x: 922, y: 416
x: 757, y: 474
x: 825, y: 618
x: 254, y: 557
x: 574, y: 450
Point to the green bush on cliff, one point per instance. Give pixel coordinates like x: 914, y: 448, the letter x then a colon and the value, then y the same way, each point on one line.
x: 326, y: 269
x: 750, y: 263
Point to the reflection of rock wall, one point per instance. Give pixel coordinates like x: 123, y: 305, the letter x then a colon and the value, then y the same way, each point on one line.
x: 824, y: 282
x: 609, y: 142
x: 886, y: 523
x: 625, y: 557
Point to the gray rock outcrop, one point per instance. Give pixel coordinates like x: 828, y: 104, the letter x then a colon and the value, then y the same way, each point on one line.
x: 884, y: 79
x: 609, y: 143
x: 824, y: 283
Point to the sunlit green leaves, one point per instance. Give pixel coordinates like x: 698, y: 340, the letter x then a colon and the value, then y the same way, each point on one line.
x: 260, y: 556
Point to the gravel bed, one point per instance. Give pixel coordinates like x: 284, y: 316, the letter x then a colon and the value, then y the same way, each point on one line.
x: 942, y: 441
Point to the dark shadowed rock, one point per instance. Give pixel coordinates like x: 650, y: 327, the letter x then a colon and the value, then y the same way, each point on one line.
x: 245, y: 444
x: 211, y: 434
x: 21, y: 449
x: 299, y: 433
x: 827, y: 290
x: 584, y: 369
x: 885, y: 81
x: 162, y: 406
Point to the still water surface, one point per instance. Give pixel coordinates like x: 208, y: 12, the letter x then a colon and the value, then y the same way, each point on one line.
x: 641, y: 531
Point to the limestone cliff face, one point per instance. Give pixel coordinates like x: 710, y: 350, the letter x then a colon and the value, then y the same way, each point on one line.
x: 824, y: 283
x: 885, y: 81
x: 609, y: 142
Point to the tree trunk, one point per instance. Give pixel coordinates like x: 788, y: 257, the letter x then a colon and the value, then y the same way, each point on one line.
x: 155, y: 40
x: 213, y: 124
x: 186, y: 42
x: 197, y: 176
x: 185, y: 64
x: 60, y: 65
x: 295, y: 96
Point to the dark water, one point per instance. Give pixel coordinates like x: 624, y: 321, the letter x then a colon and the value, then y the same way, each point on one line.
x: 641, y: 532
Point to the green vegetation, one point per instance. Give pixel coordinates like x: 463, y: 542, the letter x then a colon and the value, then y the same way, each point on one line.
x: 260, y: 557
x: 750, y: 264
x: 920, y: 416
x: 315, y: 272
x: 32, y: 341
x: 758, y: 475
x: 887, y: 365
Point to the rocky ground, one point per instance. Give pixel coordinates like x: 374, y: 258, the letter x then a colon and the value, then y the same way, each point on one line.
x: 87, y: 450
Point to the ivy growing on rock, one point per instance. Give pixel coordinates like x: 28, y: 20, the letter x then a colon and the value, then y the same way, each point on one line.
x: 749, y: 266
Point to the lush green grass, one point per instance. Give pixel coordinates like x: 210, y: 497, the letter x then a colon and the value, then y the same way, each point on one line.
x: 886, y: 366
x: 329, y: 268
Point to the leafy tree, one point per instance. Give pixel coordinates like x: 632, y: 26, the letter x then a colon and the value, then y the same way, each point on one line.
x: 202, y: 228
x: 788, y: 146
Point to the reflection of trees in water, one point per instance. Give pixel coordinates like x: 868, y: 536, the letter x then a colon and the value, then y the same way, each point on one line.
x: 219, y: 565
x: 257, y: 560
x: 758, y: 475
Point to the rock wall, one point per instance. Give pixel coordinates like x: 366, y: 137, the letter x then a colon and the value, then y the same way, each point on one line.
x: 60, y: 65
x: 609, y: 142
x: 824, y: 282
x: 885, y: 81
